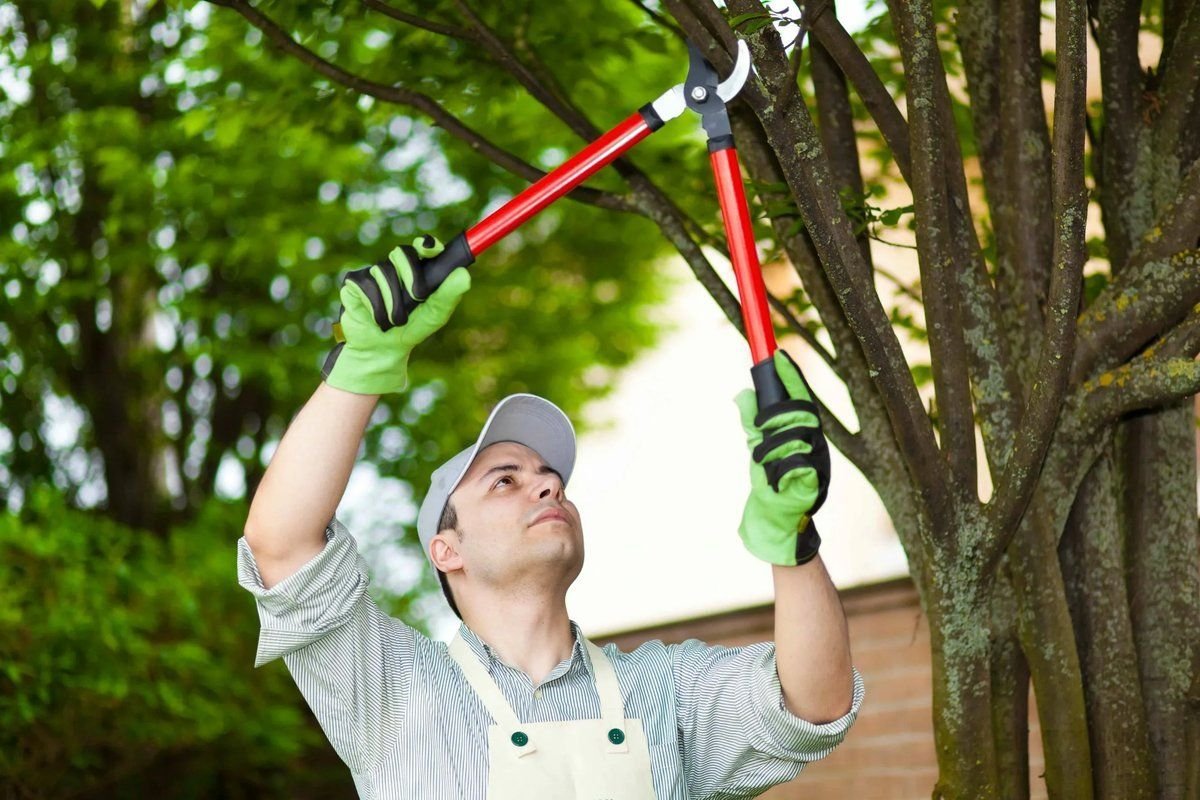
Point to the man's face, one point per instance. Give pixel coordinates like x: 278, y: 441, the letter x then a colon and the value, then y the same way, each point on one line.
x: 518, y: 528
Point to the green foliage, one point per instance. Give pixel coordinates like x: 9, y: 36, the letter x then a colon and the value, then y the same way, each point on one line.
x: 906, y: 322
x: 867, y: 217
x: 126, y: 662
x: 178, y: 203
x: 1093, y: 285
x: 185, y: 201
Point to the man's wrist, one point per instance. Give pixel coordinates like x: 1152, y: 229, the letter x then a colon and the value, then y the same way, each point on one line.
x: 808, y: 543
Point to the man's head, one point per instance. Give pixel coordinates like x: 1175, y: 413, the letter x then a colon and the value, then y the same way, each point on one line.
x: 496, y: 517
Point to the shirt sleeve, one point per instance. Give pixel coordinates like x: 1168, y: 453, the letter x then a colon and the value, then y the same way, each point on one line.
x: 738, y: 738
x: 352, y: 662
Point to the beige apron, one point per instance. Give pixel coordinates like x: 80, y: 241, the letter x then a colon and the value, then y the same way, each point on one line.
x: 587, y: 759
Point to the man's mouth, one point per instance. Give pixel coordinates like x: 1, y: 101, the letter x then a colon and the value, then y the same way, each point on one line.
x: 550, y: 514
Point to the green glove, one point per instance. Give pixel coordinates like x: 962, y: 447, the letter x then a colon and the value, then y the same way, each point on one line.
x: 789, y: 473
x: 385, y: 315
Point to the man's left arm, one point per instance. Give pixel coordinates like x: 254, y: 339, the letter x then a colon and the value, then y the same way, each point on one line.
x: 812, y: 643
x: 789, y: 479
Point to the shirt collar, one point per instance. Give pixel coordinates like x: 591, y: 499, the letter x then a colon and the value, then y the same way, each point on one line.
x: 489, y: 657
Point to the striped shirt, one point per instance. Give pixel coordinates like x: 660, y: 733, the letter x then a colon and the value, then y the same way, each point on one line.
x: 400, y: 714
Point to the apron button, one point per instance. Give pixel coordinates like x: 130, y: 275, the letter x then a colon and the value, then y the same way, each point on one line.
x: 616, y: 736
x: 520, y: 739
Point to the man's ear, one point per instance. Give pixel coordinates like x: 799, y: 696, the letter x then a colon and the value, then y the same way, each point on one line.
x: 443, y: 551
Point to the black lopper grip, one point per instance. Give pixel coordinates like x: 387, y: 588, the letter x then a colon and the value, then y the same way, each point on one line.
x: 767, y: 385
x: 457, y: 254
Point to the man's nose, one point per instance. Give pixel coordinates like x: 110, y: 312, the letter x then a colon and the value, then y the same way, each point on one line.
x: 550, y: 487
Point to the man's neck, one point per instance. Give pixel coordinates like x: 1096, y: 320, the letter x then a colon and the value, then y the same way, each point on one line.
x: 534, y: 639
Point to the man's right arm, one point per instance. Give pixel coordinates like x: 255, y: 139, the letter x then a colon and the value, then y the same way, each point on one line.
x: 383, y: 318
x: 305, y: 481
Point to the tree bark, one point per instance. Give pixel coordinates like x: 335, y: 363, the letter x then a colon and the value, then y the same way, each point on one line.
x: 1093, y: 560
x: 1159, y: 455
x: 958, y: 611
x: 1048, y: 641
x: 1010, y: 695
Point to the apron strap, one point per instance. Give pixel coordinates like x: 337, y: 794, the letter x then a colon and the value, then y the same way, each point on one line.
x: 612, y: 706
x: 483, y: 684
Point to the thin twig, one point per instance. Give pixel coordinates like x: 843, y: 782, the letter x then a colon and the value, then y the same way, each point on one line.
x: 797, y: 327
x: 418, y: 22
x: 804, y: 23
x: 427, y: 105
x: 650, y: 200
x: 661, y: 20
x: 904, y: 290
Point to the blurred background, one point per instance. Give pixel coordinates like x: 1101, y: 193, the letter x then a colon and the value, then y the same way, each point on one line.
x: 177, y: 204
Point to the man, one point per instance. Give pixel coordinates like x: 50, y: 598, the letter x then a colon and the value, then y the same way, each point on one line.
x: 520, y: 704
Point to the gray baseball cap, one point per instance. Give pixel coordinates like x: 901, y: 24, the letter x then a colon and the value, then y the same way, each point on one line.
x: 522, y: 418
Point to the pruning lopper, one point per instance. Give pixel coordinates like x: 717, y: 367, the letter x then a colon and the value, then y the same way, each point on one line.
x: 705, y: 94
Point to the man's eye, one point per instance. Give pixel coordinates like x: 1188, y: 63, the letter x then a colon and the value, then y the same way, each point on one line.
x: 502, y: 480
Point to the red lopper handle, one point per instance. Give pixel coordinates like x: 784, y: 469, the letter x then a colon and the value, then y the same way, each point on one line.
x: 756, y: 314
x: 566, y: 177
x: 740, y: 235
x: 464, y: 248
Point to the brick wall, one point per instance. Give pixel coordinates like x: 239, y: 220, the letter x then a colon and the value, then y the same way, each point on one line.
x: 889, y: 752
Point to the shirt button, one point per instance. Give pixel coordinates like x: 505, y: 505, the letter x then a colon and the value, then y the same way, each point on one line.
x: 537, y: 695
x: 616, y: 736
x: 520, y: 739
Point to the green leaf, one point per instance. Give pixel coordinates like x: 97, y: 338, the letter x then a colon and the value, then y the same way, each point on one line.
x: 756, y: 25
x: 892, y: 215
x: 922, y: 374
x: 734, y: 22
x: 1093, y: 285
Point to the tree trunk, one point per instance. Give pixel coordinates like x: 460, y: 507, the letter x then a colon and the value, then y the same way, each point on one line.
x: 1048, y: 641
x: 1093, y: 562
x: 1010, y: 696
x: 1159, y: 455
x: 959, y: 610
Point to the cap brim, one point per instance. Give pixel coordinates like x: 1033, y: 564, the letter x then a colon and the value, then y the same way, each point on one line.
x: 534, y: 422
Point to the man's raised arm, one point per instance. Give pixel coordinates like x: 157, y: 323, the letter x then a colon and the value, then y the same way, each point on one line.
x: 305, y: 481
x: 789, y: 477
x: 385, y: 314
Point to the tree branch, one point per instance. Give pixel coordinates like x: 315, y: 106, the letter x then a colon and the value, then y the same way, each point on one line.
x: 1120, y: 81
x: 1135, y: 308
x: 993, y: 375
x: 836, y: 124
x: 874, y: 446
x: 796, y: 58
x: 421, y: 102
x: 792, y: 136
x: 707, y: 13
x: 415, y: 21
x: 797, y: 327
x: 648, y: 199
x: 1026, y: 152
x: 1144, y: 383
x: 1000, y: 318
x: 928, y: 95
x: 885, y: 456
x: 841, y: 47
x: 1178, y: 227
x: 1180, y: 72
x: 1016, y: 484
x: 1182, y: 341
x: 660, y: 19
x: 555, y: 102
